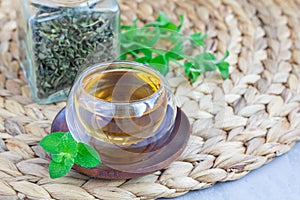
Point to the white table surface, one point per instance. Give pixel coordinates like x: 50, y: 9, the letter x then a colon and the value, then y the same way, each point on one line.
x: 278, y: 180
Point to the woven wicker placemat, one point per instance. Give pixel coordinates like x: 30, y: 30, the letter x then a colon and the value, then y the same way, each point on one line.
x: 239, y: 125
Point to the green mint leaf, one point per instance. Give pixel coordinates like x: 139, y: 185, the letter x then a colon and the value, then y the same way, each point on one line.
x: 164, y: 22
x: 58, y: 157
x: 87, y: 156
x: 197, y: 39
x: 181, y: 17
x: 68, y: 145
x: 173, y: 55
x: 143, y: 60
x: 224, y: 69
x: 176, y: 52
x: 147, y: 52
x: 60, y: 169
x: 206, y: 60
x: 150, y: 35
x: 223, y: 66
x: 137, y: 38
x: 51, y: 141
x: 61, y: 156
x: 123, y: 56
x: 191, y: 71
x: 161, y: 64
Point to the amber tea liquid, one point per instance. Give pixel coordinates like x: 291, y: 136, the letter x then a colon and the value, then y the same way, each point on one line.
x: 130, y: 106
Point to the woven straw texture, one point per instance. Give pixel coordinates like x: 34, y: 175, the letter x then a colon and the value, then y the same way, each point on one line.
x: 238, y: 124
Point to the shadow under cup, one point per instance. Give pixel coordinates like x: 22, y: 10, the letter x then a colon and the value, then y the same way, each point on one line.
x: 125, y: 110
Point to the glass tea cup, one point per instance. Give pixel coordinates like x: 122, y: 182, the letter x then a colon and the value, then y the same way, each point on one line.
x: 123, y: 109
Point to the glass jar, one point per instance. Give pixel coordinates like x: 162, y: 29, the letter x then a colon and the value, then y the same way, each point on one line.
x: 59, y: 38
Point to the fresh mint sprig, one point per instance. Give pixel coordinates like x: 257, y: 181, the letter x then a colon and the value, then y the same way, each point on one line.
x: 143, y: 45
x: 66, y: 152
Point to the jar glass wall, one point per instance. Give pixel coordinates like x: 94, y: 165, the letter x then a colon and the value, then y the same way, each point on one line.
x: 58, y: 39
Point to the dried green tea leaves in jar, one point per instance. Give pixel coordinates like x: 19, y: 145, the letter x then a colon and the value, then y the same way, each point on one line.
x: 65, y: 37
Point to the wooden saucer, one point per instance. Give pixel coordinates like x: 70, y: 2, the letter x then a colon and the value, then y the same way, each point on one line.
x: 168, y: 153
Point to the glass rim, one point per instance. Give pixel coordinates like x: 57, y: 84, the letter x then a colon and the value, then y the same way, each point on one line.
x: 88, y: 71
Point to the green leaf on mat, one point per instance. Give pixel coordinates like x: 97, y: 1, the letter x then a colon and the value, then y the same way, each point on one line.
x: 66, y: 151
x: 87, y: 156
x: 51, y: 142
x: 68, y: 145
x: 59, y: 169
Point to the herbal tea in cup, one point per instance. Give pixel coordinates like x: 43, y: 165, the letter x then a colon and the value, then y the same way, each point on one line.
x: 119, y: 103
